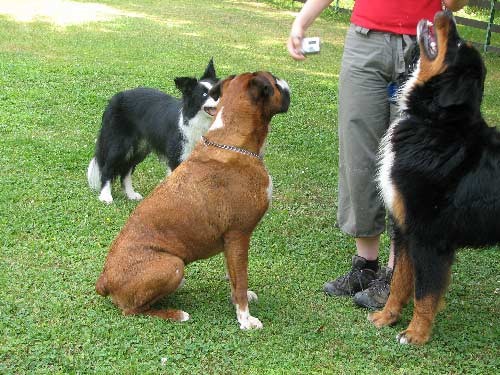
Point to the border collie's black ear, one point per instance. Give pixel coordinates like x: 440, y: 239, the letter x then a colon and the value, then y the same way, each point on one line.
x: 216, y: 90
x: 209, y: 71
x: 185, y: 84
x: 260, y: 88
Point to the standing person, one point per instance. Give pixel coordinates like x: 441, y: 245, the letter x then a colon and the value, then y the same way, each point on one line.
x: 377, y: 52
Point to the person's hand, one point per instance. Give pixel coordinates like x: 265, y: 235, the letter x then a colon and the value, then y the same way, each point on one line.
x: 294, y: 46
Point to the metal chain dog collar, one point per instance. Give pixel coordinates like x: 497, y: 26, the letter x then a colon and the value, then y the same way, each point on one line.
x: 206, y: 142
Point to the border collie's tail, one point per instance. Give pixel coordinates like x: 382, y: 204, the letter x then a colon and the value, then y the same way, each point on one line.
x: 94, y: 175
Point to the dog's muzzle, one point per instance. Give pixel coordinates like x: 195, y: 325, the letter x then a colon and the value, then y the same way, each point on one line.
x: 285, y: 94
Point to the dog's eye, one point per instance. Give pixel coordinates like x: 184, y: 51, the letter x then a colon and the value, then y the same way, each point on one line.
x: 205, y: 94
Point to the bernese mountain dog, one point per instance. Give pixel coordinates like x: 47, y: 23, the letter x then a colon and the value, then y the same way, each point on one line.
x: 439, y: 175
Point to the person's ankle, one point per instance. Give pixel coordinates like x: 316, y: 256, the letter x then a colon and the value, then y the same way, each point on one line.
x: 372, y: 265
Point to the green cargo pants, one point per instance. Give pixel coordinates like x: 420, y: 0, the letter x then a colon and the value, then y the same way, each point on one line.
x: 371, y: 61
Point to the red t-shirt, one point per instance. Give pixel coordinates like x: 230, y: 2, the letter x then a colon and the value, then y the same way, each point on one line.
x: 399, y: 17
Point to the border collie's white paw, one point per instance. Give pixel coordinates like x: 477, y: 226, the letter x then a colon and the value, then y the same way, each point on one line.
x: 135, y: 196
x: 105, y: 197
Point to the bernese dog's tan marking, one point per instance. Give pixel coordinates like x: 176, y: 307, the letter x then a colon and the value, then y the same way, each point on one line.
x: 401, y: 292
x: 429, y: 68
x: 398, y: 208
x: 419, y: 330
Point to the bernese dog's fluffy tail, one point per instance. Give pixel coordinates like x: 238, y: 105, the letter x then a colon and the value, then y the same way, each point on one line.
x: 94, y: 175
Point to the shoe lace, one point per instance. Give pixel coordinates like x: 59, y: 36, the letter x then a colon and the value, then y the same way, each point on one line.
x: 346, y: 279
x: 380, y: 284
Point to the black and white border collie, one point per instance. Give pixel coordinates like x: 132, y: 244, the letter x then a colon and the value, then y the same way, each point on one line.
x: 439, y: 175
x: 138, y: 121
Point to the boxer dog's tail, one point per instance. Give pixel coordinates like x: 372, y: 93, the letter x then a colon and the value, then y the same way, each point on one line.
x: 100, y: 286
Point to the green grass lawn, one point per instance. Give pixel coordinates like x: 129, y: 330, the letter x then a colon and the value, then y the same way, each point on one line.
x: 54, y: 233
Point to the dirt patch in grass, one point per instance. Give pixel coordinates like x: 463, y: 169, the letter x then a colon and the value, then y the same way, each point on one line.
x: 60, y: 12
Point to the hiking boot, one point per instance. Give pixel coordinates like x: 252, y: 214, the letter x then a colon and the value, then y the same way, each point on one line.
x: 375, y: 296
x: 357, y: 279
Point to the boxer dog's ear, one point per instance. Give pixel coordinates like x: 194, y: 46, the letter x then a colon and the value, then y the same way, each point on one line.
x: 260, y: 88
x: 216, y: 90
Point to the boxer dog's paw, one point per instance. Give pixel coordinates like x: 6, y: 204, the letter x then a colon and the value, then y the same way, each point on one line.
x: 184, y: 316
x: 252, y: 296
x: 246, y: 320
x: 250, y: 323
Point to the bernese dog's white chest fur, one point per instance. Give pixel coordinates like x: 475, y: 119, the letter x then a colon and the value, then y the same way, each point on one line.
x: 386, y: 162
x: 386, y: 151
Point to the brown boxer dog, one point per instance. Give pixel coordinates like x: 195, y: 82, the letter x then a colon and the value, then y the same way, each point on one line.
x: 211, y: 203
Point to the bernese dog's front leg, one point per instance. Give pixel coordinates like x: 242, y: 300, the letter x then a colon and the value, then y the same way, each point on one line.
x: 432, y: 275
x: 401, y: 289
x: 419, y: 330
